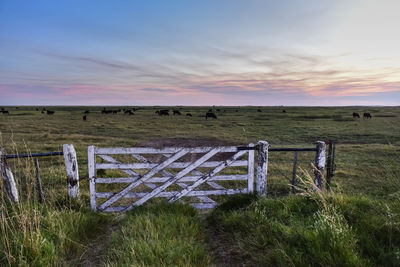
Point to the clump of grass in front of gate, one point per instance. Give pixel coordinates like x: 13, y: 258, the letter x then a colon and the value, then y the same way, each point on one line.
x: 159, y: 235
x: 44, y: 234
x: 308, y: 229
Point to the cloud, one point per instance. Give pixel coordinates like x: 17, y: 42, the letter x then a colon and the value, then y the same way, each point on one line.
x: 159, y: 90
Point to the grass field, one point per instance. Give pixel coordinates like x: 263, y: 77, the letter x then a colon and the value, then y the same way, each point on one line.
x: 356, y: 225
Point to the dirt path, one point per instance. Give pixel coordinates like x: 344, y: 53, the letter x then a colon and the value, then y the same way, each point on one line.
x: 95, y: 250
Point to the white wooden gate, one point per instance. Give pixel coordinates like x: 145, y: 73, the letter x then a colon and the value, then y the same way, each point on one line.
x: 173, y: 173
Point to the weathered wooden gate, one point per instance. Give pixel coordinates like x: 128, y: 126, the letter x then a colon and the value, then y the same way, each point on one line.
x: 174, y: 173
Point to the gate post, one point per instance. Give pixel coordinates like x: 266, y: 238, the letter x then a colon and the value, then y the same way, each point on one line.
x: 71, y: 167
x: 8, y: 178
x: 320, y: 157
x: 262, y: 168
x: 92, y: 177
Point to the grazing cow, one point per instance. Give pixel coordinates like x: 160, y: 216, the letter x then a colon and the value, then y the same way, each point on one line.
x: 84, y: 118
x: 86, y: 112
x: 129, y: 112
x: 177, y: 112
x: 259, y: 110
x: 283, y: 111
x: 356, y: 115
x: 42, y: 111
x: 189, y: 114
x: 163, y: 112
x: 5, y: 112
x: 211, y: 115
x: 367, y: 115
x: 37, y: 109
x: 49, y: 112
x: 218, y: 109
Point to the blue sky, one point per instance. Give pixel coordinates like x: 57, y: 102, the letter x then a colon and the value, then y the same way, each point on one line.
x: 199, y: 53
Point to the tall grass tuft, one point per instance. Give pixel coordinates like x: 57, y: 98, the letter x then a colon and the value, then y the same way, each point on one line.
x: 35, y: 234
x: 312, y: 228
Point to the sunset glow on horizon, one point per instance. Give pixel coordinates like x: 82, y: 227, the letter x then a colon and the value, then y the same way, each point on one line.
x: 200, y: 53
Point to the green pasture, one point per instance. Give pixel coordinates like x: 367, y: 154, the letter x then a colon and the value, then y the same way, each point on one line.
x: 365, y: 197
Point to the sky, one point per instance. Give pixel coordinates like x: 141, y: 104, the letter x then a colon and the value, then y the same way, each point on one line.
x: 208, y: 52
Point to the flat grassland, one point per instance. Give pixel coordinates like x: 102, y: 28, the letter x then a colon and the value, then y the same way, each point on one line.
x: 62, y: 231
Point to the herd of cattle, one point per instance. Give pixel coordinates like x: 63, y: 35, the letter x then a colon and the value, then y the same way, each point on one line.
x: 366, y: 115
x: 162, y: 112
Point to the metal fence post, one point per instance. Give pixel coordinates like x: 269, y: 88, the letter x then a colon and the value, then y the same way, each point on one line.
x: 262, y: 168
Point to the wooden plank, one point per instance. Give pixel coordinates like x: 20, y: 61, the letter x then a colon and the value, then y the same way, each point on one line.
x: 71, y: 168
x: 92, y: 178
x: 179, y: 175
x: 262, y: 168
x: 148, y: 175
x: 8, y: 178
x: 250, y: 169
x: 222, y: 192
x: 175, y: 165
x: 208, y: 176
x: 121, y: 180
x: 149, y: 150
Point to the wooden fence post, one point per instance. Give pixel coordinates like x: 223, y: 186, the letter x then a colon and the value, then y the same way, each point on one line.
x: 71, y: 167
x: 8, y: 178
x: 320, y: 157
x: 262, y: 168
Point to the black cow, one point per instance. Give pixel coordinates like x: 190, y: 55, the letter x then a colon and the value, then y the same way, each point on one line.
x: 5, y: 112
x: 218, y: 110
x: 356, y: 115
x: 283, y: 111
x: 129, y: 112
x: 189, y: 114
x: 163, y: 112
x: 211, y: 115
x: 86, y: 112
x: 177, y: 112
x: 84, y: 118
x: 367, y: 115
x: 259, y: 110
x: 49, y: 112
